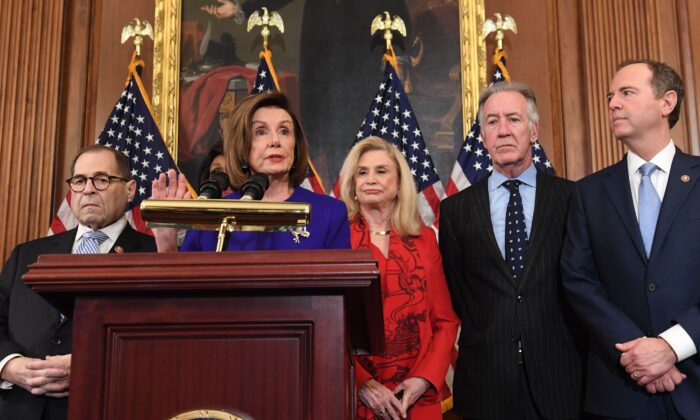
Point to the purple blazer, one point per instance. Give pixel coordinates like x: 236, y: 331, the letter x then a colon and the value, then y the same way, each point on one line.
x: 328, y: 228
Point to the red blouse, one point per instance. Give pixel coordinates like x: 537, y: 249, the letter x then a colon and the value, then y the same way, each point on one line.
x: 420, y: 326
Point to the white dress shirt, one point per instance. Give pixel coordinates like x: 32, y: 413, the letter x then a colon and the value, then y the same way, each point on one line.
x: 676, y: 336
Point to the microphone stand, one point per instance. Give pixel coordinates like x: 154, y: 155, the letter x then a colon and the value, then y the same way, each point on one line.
x: 223, y: 230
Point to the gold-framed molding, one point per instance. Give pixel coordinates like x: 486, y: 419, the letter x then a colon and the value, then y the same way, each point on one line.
x: 166, y: 74
x: 473, y: 55
x: 166, y: 64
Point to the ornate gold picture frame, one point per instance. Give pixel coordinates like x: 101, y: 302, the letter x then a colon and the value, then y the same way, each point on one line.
x: 167, y: 66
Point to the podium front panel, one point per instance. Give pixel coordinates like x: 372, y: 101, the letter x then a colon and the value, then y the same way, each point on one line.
x: 270, y: 357
x: 268, y: 333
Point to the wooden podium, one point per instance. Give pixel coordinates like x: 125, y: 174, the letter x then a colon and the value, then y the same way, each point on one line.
x: 265, y: 333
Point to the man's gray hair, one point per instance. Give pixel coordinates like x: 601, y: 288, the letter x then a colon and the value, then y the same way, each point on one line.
x: 518, y: 87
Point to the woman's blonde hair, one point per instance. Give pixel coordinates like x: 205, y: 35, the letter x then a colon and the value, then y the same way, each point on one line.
x: 237, y: 142
x: 406, y: 219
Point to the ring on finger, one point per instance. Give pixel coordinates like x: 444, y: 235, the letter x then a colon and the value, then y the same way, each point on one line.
x: 634, y: 376
x: 381, y: 412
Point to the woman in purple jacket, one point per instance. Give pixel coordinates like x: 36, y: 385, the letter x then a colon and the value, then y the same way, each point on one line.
x: 265, y: 136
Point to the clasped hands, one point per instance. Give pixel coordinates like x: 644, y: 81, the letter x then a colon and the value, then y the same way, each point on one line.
x: 651, y: 363
x: 383, y: 401
x: 49, y: 377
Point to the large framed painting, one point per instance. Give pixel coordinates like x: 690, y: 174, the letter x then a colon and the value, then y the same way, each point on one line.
x: 328, y: 65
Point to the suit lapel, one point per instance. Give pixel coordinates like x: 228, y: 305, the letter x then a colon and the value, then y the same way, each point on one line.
x: 128, y: 241
x: 62, y: 243
x: 541, y: 215
x: 676, y: 193
x: 618, y: 187
x: 485, y: 227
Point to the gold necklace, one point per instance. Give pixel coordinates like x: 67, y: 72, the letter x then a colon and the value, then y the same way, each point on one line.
x: 379, y: 232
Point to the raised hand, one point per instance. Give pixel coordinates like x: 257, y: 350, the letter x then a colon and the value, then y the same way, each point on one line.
x: 161, y: 189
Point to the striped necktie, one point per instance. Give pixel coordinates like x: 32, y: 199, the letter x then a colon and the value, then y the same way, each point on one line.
x: 90, y: 242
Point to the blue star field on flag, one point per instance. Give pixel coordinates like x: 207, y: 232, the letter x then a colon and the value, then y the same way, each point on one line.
x: 132, y: 130
x: 264, y: 82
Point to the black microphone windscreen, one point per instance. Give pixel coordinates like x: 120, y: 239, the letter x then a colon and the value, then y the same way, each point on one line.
x: 254, y: 188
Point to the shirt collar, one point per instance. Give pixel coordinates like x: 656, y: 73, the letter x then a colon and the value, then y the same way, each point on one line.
x: 529, y: 178
x: 662, y: 160
x: 112, y: 231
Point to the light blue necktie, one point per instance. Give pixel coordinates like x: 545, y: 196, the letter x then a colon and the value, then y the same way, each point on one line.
x: 90, y: 242
x: 649, y: 206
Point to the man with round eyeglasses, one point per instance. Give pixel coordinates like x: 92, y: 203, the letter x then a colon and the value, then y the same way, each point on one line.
x: 35, y: 338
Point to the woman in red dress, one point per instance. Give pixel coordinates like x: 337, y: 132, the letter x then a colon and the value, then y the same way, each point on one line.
x: 420, y: 326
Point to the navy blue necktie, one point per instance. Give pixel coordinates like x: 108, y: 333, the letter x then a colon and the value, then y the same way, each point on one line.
x: 516, y: 234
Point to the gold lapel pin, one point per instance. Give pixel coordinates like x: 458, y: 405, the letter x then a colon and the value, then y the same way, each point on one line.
x: 118, y: 249
x: 685, y: 178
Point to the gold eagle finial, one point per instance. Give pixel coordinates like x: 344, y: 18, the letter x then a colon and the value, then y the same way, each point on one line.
x: 384, y: 22
x: 138, y: 29
x: 501, y: 24
x: 266, y: 21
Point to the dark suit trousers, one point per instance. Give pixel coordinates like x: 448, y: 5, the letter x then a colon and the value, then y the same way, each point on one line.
x: 528, y: 410
x: 659, y: 407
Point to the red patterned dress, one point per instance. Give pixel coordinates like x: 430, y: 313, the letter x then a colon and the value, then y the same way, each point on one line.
x: 420, y: 326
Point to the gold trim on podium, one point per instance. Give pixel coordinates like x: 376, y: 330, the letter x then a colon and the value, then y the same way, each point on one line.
x: 209, y: 414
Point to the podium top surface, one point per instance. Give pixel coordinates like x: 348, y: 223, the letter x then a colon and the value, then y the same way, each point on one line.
x: 186, y: 271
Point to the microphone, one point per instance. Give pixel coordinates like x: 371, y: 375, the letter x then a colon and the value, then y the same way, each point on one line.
x: 254, y: 188
x: 213, y: 187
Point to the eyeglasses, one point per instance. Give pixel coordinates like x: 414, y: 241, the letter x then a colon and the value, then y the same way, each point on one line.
x: 100, y: 182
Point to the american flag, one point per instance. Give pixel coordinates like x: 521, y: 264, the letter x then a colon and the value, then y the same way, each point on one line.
x: 266, y: 81
x: 473, y: 162
x: 391, y: 117
x: 131, y: 130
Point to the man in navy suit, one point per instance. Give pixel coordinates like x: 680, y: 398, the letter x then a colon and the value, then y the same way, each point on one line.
x: 35, y: 339
x: 631, y: 260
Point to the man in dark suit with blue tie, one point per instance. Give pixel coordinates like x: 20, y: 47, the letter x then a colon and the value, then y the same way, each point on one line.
x: 631, y: 261
x: 501, y: 242
x: 35, y: 339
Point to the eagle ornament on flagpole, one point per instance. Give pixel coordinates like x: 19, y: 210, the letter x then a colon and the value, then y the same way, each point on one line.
x: 266, y: 20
